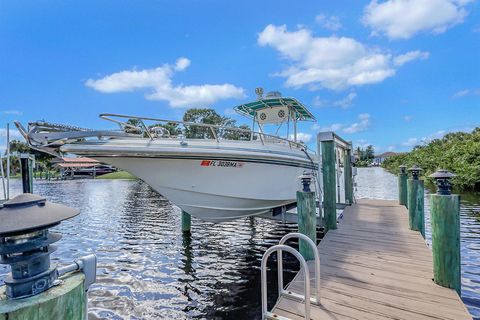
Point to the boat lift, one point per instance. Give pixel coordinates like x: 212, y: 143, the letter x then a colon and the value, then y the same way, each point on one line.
x: 333, y: 182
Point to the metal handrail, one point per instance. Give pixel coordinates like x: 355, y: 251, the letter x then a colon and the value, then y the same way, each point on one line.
x: 279, y: 248
x: 317, y: 265
x: 212, y: 127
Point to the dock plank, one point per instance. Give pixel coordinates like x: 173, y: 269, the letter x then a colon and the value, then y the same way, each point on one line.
x: 374, y: 267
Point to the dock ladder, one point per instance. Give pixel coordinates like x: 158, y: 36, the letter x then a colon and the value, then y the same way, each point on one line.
x: 279, y: 248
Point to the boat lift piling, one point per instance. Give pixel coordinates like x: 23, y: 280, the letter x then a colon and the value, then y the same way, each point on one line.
x: 328, y: 142
x: 27, y: 162
x: 186, y: 222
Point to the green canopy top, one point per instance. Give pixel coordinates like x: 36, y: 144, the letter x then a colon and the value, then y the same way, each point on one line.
x: 251, y: 108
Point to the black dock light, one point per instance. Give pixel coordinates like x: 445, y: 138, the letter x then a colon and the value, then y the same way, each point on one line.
x: 306, y: 179
x: 403, y: 169
x: 415, y: 171
x: 26, y: 243
x: 442, y: 180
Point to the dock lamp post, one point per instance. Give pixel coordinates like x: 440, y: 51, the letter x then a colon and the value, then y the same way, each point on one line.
x: 25, y: 245
x: 307, y: 215
x: 445, y: 220
x: 402, y: 185
x: 415, y: 200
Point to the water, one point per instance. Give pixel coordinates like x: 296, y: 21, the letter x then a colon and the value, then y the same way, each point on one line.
x: 148, y: 270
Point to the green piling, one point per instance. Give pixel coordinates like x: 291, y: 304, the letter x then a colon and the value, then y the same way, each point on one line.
x: 329, y: 183
x: 402, y: 186
x: 445, y: 219
x: 416, y: 205
x: 445, y: 227
x: 65, y: 301
x: 415, y: 201
x: 348, y: 176
x: 186, y: 222
x: 307, y: 221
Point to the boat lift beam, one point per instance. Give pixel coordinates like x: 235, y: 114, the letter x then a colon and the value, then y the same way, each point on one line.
x: 335, y: 154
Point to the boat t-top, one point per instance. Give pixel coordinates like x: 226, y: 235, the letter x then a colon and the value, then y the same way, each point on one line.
x: 214, y: 173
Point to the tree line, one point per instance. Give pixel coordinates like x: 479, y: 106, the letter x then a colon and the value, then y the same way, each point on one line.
x: 458, y: 152
x: 365, y: 156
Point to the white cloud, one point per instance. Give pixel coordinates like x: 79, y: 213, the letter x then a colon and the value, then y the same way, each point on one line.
x: 410, y: 56
x: 331, y: 23
x: 407, y: 118
x: 182, y: 64
x: 319, y: 102
x: 329, y: 62
x: 159, y: 80
x: 362, y: 124
x: 346, y: 102
x: 12, y: 112
x: 302, y: 136
x: 466, y: 92
x: 401, y: 19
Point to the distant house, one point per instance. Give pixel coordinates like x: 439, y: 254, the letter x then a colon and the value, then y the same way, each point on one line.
x: 378, y: 159
x: 81, y: 166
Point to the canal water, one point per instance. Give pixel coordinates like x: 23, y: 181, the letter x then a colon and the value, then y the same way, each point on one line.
x: 148, y: 270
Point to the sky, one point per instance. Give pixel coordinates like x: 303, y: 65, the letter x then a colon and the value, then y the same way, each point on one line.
x: 391, y: 73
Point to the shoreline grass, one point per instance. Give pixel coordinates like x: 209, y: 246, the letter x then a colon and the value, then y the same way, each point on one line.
x: 118, y: 175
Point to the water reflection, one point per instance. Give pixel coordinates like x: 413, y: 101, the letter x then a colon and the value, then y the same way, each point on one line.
x: 149, y: 269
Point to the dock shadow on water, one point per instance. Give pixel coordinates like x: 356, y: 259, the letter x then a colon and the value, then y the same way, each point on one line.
x: 148, y: 269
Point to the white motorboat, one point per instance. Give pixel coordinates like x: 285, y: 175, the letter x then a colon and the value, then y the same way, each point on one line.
x: 211, y: 172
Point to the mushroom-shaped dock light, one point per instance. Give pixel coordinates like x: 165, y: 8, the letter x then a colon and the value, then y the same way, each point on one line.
x: 442, y: 180
x: 25, y: 243
x: 403, y: 169
x: 306, y: 179
x: 415, y: 171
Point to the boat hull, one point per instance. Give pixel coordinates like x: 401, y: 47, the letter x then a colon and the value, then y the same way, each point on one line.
x: 216, y: 190
x: 213, y: 181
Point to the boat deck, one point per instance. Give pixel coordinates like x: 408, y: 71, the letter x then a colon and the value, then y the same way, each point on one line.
x: 374, y: 267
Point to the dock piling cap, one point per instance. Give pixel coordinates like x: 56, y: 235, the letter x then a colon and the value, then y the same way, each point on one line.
x: 28, y: 212
x: 442, y: 180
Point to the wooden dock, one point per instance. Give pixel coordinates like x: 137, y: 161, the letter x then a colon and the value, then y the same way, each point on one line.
x: 374, y: 267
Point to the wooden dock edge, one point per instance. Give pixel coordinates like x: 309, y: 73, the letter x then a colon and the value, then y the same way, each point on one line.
x: 374, y: 267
